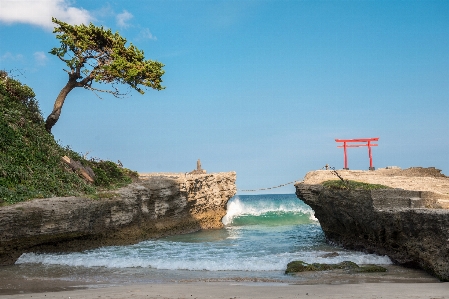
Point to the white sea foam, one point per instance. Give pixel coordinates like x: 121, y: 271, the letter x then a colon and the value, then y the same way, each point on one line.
x: 235, y: 248
x: 256, y: 263
x: 179, y: 256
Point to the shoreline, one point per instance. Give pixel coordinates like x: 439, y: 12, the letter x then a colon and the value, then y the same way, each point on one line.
x: 24, y: 282
x: 242, y: 290
x: 34, y: 281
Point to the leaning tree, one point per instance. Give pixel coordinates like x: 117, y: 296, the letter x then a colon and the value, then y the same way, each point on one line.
x: 96, y: 55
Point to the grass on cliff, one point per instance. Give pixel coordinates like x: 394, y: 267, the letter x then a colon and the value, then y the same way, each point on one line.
x: 352, y: 185
x: 30, y: 158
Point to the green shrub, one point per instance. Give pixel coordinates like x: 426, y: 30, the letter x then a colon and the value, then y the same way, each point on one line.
x: 351, y: 185
x: 30, y: 158
x: 108, y: 174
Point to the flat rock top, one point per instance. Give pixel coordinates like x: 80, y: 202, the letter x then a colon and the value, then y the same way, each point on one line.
x: 146, y: 176
x: 415, y: 178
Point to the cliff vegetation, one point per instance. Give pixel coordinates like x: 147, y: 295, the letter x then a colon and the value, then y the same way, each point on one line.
x: 30, y: 158
x: 352, y: 185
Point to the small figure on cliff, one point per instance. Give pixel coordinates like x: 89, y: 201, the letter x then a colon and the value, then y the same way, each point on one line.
x: 326, y: 167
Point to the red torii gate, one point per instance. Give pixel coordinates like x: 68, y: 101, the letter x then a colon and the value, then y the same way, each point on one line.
x: 368, y: 144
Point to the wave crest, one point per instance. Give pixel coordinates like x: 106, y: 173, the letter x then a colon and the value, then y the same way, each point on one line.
x: 244, y: 211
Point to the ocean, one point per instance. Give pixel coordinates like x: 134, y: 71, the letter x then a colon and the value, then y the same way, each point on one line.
x: 261, y: 235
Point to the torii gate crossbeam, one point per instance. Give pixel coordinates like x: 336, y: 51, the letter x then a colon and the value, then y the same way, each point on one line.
x: 368, y: 144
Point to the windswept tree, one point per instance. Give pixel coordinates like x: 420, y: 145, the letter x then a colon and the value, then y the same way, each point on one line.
x: 96, y: 55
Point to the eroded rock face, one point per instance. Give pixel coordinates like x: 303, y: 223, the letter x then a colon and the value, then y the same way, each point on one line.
x: 391, y: 222
x: 156, y: 205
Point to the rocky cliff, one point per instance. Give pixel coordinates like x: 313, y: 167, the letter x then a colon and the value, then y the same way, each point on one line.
x: 411, y: 227
x: 156, y: 205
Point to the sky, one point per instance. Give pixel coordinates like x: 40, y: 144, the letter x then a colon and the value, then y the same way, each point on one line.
x: 262, y: 88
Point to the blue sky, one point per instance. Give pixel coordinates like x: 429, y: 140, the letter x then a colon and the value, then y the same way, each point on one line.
x: 262, y: 88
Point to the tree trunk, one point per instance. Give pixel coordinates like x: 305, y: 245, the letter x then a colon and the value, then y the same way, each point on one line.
x: 54, y: 115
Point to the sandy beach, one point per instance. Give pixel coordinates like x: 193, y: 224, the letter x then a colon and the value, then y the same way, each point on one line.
x: 234, y: 290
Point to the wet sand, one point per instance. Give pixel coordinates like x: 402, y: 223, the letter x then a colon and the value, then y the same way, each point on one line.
x: 227, y: 290
x: 397, y: 282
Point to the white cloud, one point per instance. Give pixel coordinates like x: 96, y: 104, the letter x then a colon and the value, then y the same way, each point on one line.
x: 40, y: 58
x: 146, y: 34
x: 122, y: 18
x: 40, y: 12
x: 11, y: 57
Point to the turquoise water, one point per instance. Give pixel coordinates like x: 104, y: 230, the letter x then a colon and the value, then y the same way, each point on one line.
x: 262, y: 234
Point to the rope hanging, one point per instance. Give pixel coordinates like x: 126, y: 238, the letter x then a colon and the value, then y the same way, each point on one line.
x: 261, y: 189
x: 326, y: 167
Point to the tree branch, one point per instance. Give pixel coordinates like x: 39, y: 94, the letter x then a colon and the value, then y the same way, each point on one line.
x: 115, y: 93
x: 65, y: 60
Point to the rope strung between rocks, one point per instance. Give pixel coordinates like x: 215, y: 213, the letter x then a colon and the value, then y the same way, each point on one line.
x: 334, y: 172
x: 327, y: 167
x: 261, y: 189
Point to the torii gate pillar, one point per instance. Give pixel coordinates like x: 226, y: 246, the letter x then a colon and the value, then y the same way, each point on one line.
x: 368, y: 144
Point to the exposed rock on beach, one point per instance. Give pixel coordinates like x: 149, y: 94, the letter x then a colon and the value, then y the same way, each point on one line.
x: 155, y: 205
x: 409, y: 222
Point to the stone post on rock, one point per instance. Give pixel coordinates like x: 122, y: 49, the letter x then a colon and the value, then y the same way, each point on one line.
x: 198, y: 169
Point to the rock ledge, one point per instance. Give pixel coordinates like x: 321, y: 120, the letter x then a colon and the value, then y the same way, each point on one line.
x: 409, y: 226
x: 156, y: 205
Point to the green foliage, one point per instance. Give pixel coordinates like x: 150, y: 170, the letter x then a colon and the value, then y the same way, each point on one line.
x: 96, y: 54
x: 300, y: 266
x: 109, y: 175
x: 351, y: 185
x: 30, y: 159
x: 22, y: 94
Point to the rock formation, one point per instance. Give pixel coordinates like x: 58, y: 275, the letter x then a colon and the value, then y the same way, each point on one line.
x: 156, y: 205
x: 411, y: 227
